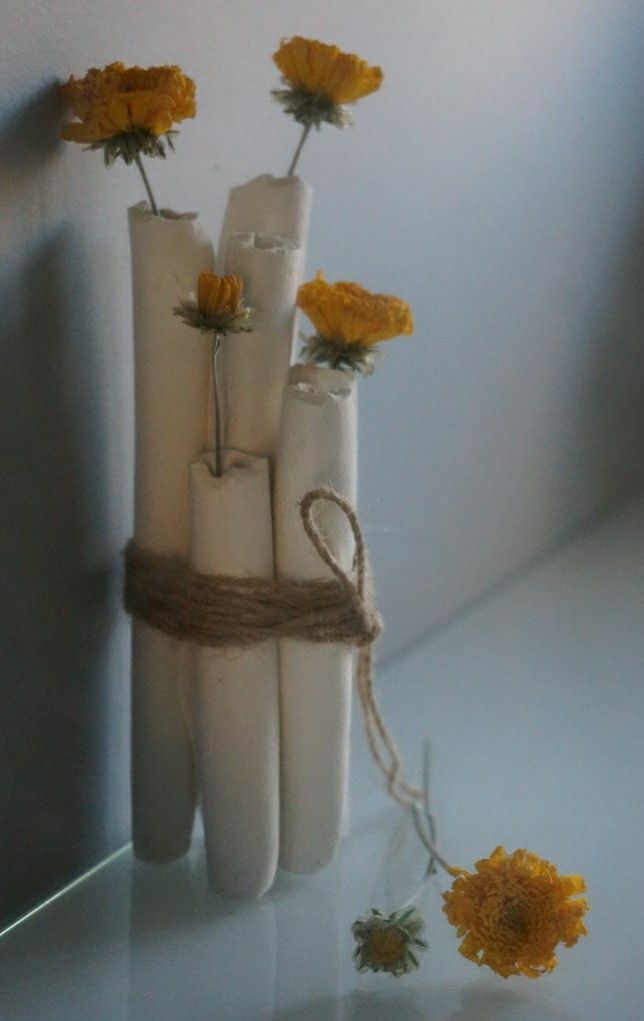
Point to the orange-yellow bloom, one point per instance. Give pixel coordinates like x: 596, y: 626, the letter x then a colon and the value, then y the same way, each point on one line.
x: 119, y: 100
x: 217, y: 307
x: 219, y: 295
x: 514, y: 910
x: 325, y: 71
x: 352, y: 315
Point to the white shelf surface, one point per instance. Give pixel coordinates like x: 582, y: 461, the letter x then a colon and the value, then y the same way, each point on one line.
x: 534, y: 704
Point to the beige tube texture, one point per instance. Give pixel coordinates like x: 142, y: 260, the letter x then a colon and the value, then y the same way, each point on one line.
x: 268, y: 205
x: 318, y: 446
x: 255, y: 365
x: 171, y: 364
x: 236, y: 695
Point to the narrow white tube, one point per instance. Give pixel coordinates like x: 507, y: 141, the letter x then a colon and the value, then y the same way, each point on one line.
x: 171, y: 404
x: 236, y: 698
x: 267, y: 205
x: 318, y: 446
x: 255, y: 365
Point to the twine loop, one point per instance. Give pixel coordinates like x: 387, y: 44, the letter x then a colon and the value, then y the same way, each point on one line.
x: 373, y: 623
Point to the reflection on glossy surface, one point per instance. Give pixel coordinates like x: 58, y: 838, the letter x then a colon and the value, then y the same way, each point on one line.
x: 204, y: 941
x: 476, y: 1004
x: 320, y: 912
x: 534, y: 705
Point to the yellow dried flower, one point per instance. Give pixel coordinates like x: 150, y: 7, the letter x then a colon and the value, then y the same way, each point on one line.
x: 126, y: 110
x: 217, y: 295
x: 349, y: 320
x: 325, y: 70
x: 388, y: 942
x: 218, y: 307
x: 513, y: 911
x: 320, y: 78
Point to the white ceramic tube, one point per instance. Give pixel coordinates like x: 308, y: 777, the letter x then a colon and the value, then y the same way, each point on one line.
x: 171, y: 408
x: 255, y: 365
x: 236, y: 697
x: 318, y: 446
x: 268, y: 205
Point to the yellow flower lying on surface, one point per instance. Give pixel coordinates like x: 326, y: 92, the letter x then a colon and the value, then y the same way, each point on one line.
x: 387, y: 942
x: 514, y: 910
x: 349, y: 321
x: 218, y: 306
x: 130, y: 101
x: 324, y: 73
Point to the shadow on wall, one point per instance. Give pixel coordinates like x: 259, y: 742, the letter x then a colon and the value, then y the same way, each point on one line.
x: 54, y: 607
x: 612, y: 408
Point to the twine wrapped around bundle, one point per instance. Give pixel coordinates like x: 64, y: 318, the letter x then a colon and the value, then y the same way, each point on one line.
x: 222, y: 612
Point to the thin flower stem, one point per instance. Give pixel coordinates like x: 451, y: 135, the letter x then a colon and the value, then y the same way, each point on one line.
x: 216, y: 345
x: 296, y: 154
x: 139, y: 163
x: 435, y: 855
x: 415, y: 896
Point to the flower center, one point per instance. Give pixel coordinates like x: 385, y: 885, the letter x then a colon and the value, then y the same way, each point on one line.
x: 514, y: 916
x: 386, y: 946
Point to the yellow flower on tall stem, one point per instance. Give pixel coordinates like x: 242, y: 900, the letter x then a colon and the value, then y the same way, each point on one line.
x: 319, y: 80
x: 218, y: 309
x: 514, y: 910
x: 128, y: 112
x: 350, y: 321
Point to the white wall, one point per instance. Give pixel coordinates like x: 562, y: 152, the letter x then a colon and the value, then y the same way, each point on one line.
x: 495, y: 182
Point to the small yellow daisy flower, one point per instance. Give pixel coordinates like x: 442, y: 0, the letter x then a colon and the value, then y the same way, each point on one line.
x: 218, y: 306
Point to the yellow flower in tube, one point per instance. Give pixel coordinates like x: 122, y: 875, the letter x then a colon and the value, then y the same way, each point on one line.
x: 349, y: 321
x: 218, y: 306
x: 219, y: 295
x: 325, y: 73
x: 319, y: 80
x: 128, y: 110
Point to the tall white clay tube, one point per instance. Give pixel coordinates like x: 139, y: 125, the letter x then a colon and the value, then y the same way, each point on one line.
x: 268, y: 205
x: 318, y: 446
x: 255, y: 365
x: 171, y: 406
x: 236, y: 698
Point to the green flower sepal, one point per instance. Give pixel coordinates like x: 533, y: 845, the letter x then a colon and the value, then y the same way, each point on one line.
x: 222, y: 324
x: 129, y: 145
x: 309, y: 109
x: 337, y: 354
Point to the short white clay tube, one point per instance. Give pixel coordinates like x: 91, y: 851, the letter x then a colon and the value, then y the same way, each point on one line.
x: 255, y: 365
x: 236, y: 695
x: 318, y: 447
x: 268, y: 205
x: 171, y: 409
